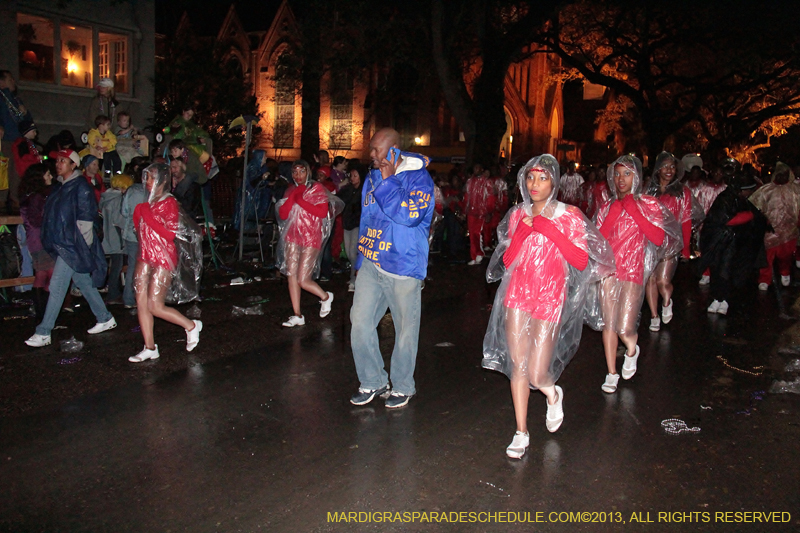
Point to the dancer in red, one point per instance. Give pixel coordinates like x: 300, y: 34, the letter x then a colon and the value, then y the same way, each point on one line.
x: 548, y: 256
x: 479, y: 201
x: 666, y: 186
x: 157, y: 223
x: 306, y: 221
x: 641, y: 232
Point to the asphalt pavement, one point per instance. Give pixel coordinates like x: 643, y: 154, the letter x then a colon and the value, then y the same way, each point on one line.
x: 253, y: 431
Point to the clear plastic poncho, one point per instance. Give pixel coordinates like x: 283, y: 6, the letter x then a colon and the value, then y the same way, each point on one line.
x: 478, y: 196
x: 676, y: 197
x: 780, y: 203
x: 618, y: 300
x: 537, y: 316
x: 168, y: 239
x: 302, y: 234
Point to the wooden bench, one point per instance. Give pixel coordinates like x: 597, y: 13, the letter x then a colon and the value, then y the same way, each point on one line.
x: 13, y: 282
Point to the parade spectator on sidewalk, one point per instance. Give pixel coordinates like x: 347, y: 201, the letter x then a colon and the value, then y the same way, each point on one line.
x: 91, y: 171
x: 12, y: 113
x: 68, y: 235
x: 351, y: 219
x: 397, y: 209
x: 26, y: 152
x: 134, y: 196
x: 113, y: 225
x: 33, y: 191
x: 103, y: 103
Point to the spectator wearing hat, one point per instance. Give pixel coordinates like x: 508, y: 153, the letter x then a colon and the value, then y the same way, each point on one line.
x: 69, y: 237
x: 104, y: 103
x: 26, y: 153
x: 12, y: 112
x: 91, y: 171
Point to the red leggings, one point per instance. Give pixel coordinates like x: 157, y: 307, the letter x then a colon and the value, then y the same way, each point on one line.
x: 783, y: 253
x: 475, y: 226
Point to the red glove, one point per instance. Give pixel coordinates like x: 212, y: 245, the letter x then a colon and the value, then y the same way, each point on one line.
x: 742, y: 217
x: 572, y: 254
x: 653, y: 233
x: 521, y: 233
x: 611, y: 219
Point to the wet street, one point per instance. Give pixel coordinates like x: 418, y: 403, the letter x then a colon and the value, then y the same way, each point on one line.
x: 253, y: 431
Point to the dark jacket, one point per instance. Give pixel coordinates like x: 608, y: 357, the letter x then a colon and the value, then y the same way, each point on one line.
x: 351, y: 196
x: 184, y: 192
x: 737, y: 250
x: 61, y: 237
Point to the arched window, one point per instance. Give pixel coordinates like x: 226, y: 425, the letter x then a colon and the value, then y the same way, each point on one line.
x: 341, y: 134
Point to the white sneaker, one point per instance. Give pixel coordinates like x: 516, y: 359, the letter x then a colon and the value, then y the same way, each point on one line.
x: 723, y: 308
x: 101, y: 327
x: 786, y: 280
x: 193, y: 336
x: 763, y: 286
x: 610, y: 385
x: 518, y: 446
x: 705, y: 280
x: 655, y: 324
x: 629, y: 366
x: 351, y: 287
x: 37, y: 341
x: 555, y: 412
x: 477, y: 261
x: 325, y: 310
x: 714, y: 307
x: 666, y: 312
x: 144, y: 355
x: 294, y: 321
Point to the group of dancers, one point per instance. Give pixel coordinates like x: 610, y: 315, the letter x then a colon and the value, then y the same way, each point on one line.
x: 559, y: 271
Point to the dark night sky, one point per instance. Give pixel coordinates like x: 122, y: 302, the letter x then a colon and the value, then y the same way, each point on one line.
x: 207, y: 15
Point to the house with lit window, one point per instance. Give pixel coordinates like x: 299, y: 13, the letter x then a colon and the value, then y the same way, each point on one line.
x: 58, y: 52
x: 349, y: 114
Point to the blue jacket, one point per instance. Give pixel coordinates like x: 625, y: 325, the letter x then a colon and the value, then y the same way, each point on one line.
x: 61, y: 237
x: 396, y: 215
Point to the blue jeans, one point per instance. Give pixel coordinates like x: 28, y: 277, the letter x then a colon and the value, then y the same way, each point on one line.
x: 59, y: 285
x: 375, y: 292
x: 132, y: 250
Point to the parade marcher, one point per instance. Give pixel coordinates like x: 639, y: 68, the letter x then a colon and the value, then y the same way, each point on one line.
x: 500, y: 189
x: 547, y: 257
x: 479, y: 206
x: 667, y: 187
x: 779, y: 201
x: 69, y: 236
x: 33, y: 191
x: 306, y: 215
x: 157, y: 224
x: 396, y: 213
x: 731, y: 241
x: 571, y: 188
x: 641, y: 232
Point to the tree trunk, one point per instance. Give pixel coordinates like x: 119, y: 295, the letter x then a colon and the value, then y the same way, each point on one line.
x: 489, y: 111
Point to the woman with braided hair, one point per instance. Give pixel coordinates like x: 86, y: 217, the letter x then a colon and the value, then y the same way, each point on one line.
x: 548, y: 256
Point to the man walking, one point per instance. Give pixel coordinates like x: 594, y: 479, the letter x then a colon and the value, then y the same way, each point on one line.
x: 396, y: 213
x: 68, y: 235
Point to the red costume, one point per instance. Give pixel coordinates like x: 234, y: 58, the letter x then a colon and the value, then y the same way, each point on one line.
x: 156, y: 227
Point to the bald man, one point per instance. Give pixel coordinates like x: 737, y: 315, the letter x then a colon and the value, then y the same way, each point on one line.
x: 397, y: 206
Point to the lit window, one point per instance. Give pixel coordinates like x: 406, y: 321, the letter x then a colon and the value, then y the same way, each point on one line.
x: 35, y: 39
x: 113, y: 54
x: 341, y: 134
x: 76, y: 56
x: 283, y: 135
